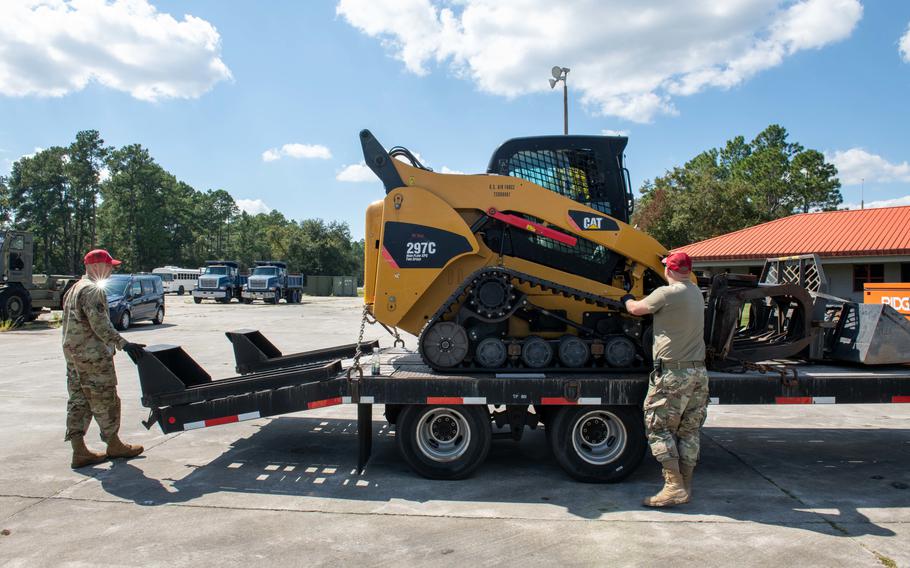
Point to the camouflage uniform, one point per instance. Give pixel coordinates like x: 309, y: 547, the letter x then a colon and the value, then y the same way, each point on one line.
x: 89, y: 344
x: 675, y: 410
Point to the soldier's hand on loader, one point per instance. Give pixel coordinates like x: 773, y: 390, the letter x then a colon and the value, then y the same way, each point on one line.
x: 135, y: 350
x: 625, y: 299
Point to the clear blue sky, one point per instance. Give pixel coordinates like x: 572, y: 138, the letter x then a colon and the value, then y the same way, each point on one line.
x: 315, y: 73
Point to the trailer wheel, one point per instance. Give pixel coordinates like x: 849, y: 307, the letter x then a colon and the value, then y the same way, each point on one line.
x: 444, y: 442
x: 597, y: 444
x: 197, y: 300
x: 14, y: 304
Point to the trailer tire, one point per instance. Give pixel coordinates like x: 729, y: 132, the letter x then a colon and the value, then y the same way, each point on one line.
x: 197, y: 300
x: 444, y: 442
x: 597, y: 444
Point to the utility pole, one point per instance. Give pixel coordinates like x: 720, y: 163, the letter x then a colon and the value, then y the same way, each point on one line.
x: 559, y: 74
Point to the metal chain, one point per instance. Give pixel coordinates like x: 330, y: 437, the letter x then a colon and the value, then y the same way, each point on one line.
x: 358, y: 352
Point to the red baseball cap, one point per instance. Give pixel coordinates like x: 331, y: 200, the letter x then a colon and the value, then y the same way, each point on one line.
x: 98, y: 256
x: 679, y: 262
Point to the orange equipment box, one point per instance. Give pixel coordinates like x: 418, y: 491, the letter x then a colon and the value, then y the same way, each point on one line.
x: 896, y: 295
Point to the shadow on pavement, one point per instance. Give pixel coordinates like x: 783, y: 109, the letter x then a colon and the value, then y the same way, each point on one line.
x: 819, y: 479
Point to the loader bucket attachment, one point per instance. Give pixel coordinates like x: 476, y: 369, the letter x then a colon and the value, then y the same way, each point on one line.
x: 253, y: 352
x: 870, y: 334
x: 748, y: 322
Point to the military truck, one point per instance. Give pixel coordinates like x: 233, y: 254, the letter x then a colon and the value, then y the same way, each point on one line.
x: 271, y: 283
x: 220, y: 281
x: 23, y: 294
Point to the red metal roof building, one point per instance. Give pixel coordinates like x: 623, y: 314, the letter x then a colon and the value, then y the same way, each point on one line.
x: 856, y: 246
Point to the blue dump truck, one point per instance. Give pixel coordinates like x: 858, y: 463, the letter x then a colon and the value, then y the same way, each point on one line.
x: 271, y: 283
x: 220, y: 281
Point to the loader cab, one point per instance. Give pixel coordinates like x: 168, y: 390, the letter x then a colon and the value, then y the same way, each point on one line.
x: 586, y: 169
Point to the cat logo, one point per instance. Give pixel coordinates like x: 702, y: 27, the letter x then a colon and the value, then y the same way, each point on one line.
x: 591, y: 223
x: 586, y: 221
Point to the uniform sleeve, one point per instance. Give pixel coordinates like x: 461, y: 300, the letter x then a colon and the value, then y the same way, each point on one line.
x: 94, y: 305
x: 656, y: 299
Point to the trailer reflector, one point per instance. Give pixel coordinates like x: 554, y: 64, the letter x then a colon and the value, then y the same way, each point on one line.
x: 363, y: 400
x: 222, y: 420
x: 900, y: 398
x: 557, y: 400
x: 324, y: 403
x: 456, y: 400
x: 804, y: 400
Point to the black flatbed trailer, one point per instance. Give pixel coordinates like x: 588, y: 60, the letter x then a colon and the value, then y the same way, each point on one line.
x: 443, y: 422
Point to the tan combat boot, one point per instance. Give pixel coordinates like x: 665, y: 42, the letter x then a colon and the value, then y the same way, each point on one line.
x: 82, y: 456
x: 687, y: 470
x: 674, y: 491
x: 117, y: 449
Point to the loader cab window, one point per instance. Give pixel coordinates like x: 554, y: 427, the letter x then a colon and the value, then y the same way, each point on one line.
x: 576, y: 173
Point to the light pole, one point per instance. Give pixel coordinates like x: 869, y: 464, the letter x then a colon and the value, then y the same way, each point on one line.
x: 559, y: 74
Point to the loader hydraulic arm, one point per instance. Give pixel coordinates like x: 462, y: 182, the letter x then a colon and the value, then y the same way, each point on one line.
x: 378, y: 160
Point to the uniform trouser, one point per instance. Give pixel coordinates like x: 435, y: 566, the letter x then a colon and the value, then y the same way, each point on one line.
x: 92, y: 387
x: 675, y: 410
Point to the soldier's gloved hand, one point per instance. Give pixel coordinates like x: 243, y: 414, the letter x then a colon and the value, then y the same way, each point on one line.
x: 625, y: 299
x: 134, y: 350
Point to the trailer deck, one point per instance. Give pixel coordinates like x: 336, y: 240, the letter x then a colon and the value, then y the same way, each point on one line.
x: 182, y: 396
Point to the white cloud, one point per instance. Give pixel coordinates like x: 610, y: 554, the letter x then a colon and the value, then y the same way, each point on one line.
x: 609, y: 132
x: 252, y: 206
x: 55, y: 47
x: 896, y: 202
x: 855, y: 165
x: 904, y: 45
x: 297, y: 151
x: 626, y: 59
x: 356, y: 173
x: 271, y: 155
x: 448, y: 170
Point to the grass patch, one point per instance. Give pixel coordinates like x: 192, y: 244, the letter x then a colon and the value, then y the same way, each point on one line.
x: 56, y: 320
x: 6, y: 325
x: 886, y: 562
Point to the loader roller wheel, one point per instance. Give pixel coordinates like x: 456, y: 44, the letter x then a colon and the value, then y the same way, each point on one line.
x: 444, y: 442
x: 597, y: 444
x: 536, y: 353
x: 573, y: 352
x: 620, y: 352
x: 492, y: 296
x: 491, y: 353
x: 445, y: 344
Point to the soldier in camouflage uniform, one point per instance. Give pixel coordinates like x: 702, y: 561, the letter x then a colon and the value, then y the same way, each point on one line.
x: 677, y: 401
x: 89, y: 344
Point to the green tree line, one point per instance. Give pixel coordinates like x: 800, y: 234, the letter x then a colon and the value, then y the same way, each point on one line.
x: 740, y: 185
x: 88, y: 195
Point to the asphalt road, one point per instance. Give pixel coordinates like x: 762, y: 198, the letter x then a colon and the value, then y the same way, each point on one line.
x: 790, y: 485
